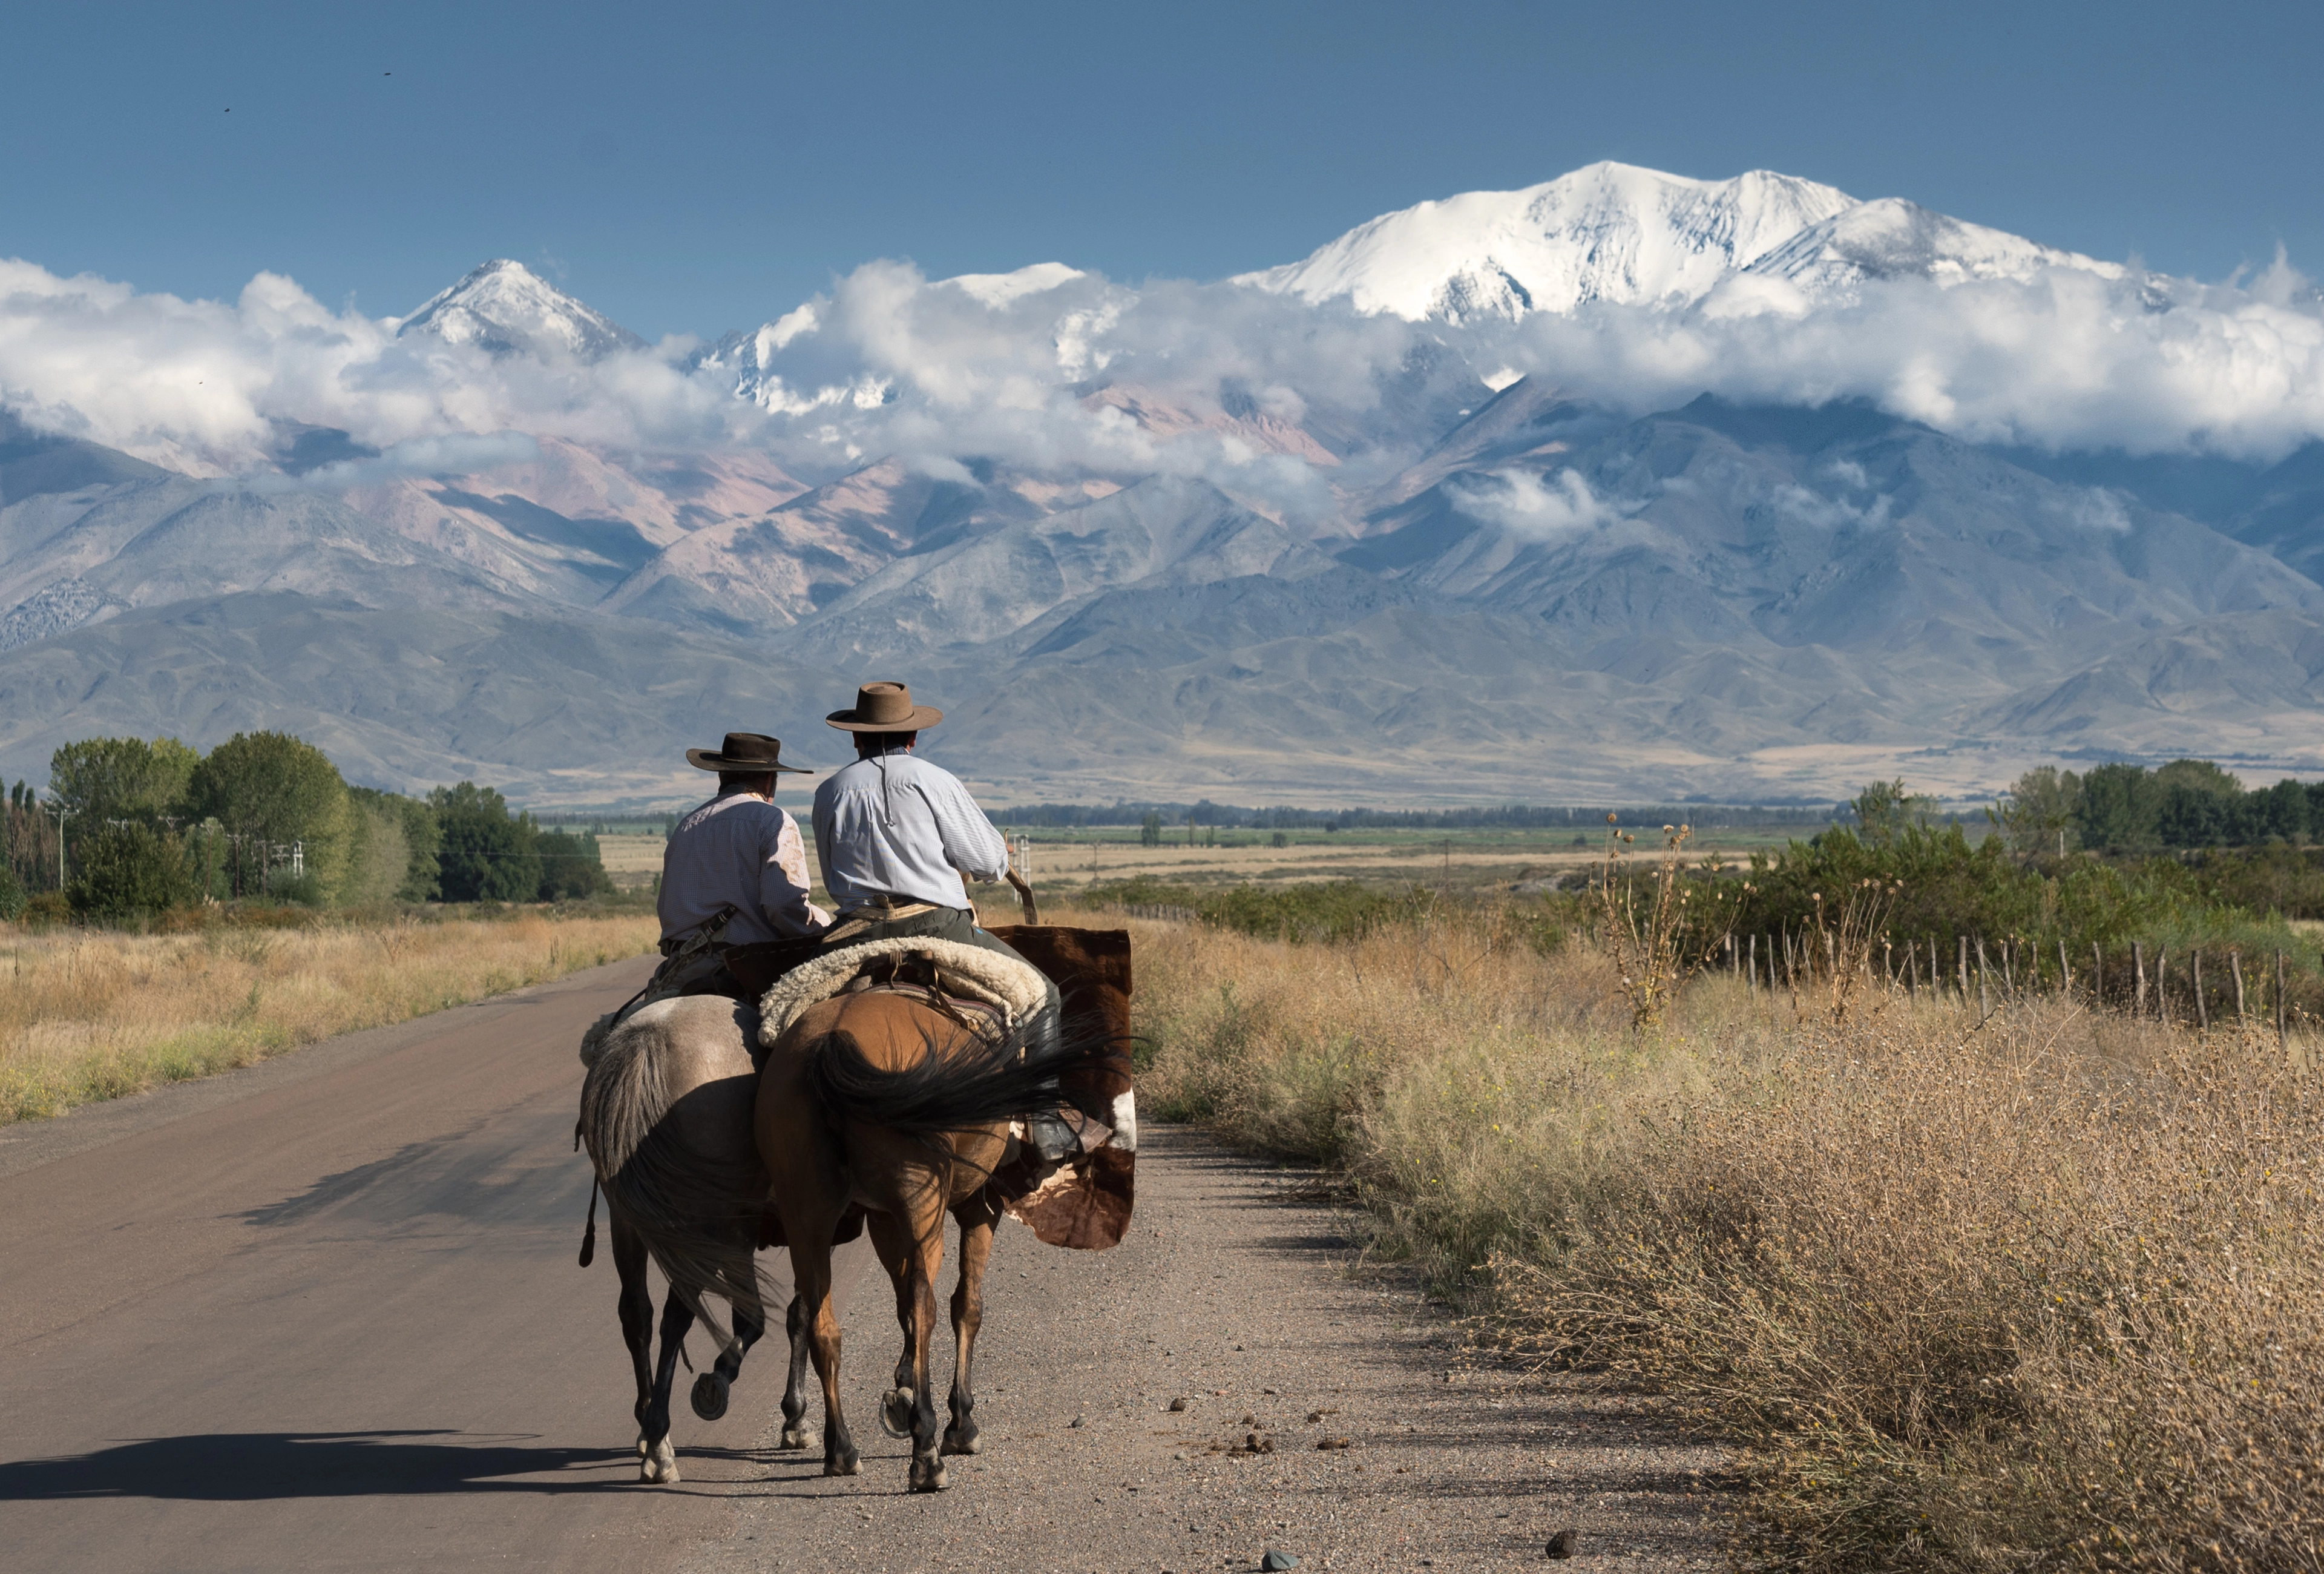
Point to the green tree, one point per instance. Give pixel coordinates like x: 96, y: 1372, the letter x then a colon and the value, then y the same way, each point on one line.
x: 2119, y: 809
x: 99, y: 779
x: 2038, y: 808
x: 570, y: 866
x: 2279, y: 813
x: 487, y: 854
x: 270, y: 792
x: 125, y: 867
x: 1886, y: 809
x: 2199, y: 776
x: 379, y: 858
x: 1149, y: 831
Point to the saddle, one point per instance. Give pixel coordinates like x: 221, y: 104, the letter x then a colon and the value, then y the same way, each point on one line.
x: 982, y: 988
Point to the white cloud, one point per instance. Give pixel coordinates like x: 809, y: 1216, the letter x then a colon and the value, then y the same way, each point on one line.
x: 1050, y: 368
x: 2093, y: 508
x: 462, y: 455
x: 1536, y: 507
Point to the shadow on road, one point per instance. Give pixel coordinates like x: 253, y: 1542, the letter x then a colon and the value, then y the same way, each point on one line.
x: 250, y: 1467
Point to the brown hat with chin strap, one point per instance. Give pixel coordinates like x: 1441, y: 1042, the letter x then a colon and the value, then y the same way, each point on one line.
x: 885, y: 707
x: 743, y: 753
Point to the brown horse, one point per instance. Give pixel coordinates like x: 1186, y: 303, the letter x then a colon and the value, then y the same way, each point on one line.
x: 880, y: 1102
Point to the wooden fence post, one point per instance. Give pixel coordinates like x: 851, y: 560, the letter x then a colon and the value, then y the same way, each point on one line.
x: 2202, y: 1011
x: 1751, y: 967
x: 2235, y: 965
x: 2098, y: 973
x: 2065, y: 974
x: 2281, y: 1038
x: 1964, y: 968
x: 1984, y: 1005
x: 2138, y: 979
x: 2162, y: 981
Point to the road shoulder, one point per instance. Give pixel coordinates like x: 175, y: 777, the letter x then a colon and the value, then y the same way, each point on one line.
x: 29, y: 1143
x: 1232, y: 1293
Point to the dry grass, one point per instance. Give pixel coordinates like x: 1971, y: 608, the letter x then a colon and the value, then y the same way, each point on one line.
x: 2048, y: 1291
x: 88, y: 1015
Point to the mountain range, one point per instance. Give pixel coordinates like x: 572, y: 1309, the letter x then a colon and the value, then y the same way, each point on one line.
x: 1448, y: 579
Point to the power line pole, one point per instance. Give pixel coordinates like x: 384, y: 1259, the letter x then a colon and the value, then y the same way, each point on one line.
x: 62, y: 814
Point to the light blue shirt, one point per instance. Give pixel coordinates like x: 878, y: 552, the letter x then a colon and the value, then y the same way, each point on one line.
x: 896, y: 826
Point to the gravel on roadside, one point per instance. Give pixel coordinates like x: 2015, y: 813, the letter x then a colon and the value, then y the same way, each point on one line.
x: 1382, y: 1443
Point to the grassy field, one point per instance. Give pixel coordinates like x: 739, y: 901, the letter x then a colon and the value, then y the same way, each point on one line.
x: 90, y: 1015
x: 1064, y: 863
x: 2045, y: 1290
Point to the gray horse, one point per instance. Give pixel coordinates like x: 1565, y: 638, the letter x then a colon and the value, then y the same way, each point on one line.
x: 665, y: 1113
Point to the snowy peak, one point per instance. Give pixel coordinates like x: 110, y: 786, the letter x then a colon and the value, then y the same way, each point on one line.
x: 1616, y: 234
x: 1609, y: 232
x: 505, y: 309
x: 1891, y: 238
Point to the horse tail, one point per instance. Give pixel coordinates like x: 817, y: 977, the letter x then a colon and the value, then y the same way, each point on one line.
x: 692, y: 1210
x: 979, y: 1078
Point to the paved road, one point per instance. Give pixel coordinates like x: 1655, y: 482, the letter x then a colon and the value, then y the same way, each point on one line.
x: 325, y: 1315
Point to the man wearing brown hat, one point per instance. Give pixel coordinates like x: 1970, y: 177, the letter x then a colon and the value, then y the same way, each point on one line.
x: 895, y: 834
x: 733, y: 871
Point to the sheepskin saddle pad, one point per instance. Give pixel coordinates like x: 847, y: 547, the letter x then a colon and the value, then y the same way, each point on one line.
x: 1014, y: 988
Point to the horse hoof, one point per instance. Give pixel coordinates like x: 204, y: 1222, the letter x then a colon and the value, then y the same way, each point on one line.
x: 896, y: 1412
x: 661, y: 1467
x: 793, y: 1438
x: 849, y: 1466
x: 954, y: 1443
x: 710, y: 1391
x: 928, y: 1476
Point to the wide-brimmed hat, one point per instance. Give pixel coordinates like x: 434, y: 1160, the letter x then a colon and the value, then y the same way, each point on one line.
x: 746, y: 752
x: 885, y: 707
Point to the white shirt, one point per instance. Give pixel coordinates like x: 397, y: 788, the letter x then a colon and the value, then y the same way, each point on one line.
x: 894, y: 826
x: 738, y: 849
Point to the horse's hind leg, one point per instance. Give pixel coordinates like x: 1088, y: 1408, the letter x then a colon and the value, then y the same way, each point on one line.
x: 637, y: 1314
x: 893, y: 1243
x: 811, y: 1268
x: 661, y: 1459
x: 712, y: 1388
x: 977, y: 1219
x: 927, y: 1473
x: 795, y: 1387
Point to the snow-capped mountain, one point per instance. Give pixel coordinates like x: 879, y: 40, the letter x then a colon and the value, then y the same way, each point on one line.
x: 1616, y: 233
x: 1609, y: 232
x: 1891, y: 239
x: 504, y: 309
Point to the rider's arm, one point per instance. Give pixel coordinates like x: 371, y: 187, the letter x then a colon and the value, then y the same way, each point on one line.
x: 971, y: 845
x: 782, y: 885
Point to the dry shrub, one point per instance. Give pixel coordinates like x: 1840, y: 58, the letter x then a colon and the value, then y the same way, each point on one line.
x: 2041, y: 1292
x: 90, y: 1014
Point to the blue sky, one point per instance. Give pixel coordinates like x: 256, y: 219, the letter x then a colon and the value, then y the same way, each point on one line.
x: 695, y: 167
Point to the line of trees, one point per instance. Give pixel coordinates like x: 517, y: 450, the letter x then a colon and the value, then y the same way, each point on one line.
x: 132, y: 825
x: 2128, y: 809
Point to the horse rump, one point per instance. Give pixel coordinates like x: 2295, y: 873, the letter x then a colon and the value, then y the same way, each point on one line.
x: 958, y: 1084
x: 699, y: 1212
